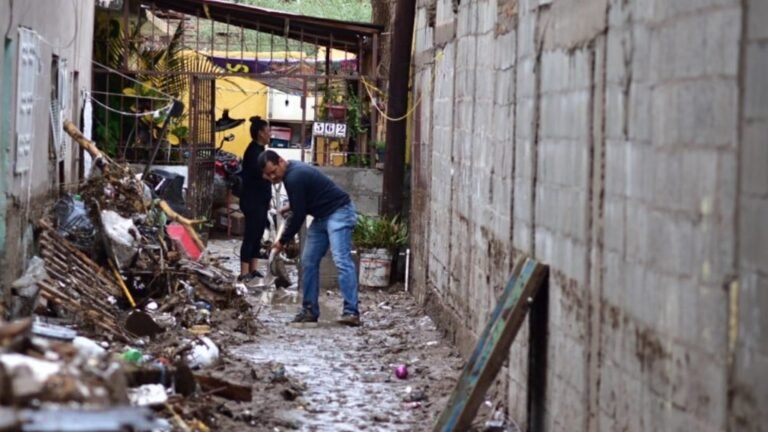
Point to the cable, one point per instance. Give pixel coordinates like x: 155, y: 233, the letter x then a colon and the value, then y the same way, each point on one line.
x: 116, y: 72
x: 166, y: 108
x: 74, y: 34
x: 368, y: 87
x: 128, y: 96
x: 384, y: 114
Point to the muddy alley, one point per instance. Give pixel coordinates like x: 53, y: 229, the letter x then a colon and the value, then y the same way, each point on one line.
x: 342, y: 378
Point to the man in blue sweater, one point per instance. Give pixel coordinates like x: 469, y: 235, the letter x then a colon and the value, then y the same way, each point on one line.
x: 310, y: 192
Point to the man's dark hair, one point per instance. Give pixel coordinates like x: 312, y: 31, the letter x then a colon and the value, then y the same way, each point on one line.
x: 267, y: 156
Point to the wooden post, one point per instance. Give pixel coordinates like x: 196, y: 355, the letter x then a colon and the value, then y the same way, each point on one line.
x: 397, y: 106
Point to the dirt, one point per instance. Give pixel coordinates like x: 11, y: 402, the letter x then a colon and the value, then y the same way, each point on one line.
x: 328, y: 377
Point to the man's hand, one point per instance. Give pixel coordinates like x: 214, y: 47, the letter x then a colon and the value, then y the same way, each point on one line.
x: 284, y: 209
x: 277, y: 247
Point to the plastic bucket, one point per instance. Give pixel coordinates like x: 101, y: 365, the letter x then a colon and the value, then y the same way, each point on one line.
x: 375, y: 267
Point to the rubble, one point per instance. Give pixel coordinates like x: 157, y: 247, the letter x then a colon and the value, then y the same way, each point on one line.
x: 126, y: 308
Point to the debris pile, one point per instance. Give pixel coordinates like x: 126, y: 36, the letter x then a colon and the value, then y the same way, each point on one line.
x: 123, y: 268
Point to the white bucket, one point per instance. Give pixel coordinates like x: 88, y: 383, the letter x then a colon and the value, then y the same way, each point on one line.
x: 375, y: 265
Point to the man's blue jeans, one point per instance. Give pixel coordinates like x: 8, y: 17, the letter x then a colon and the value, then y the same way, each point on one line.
x: 334, y: 230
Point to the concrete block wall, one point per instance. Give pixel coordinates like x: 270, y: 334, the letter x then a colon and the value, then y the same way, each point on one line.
x: 623, y: 143
x: 65, y: 31
x: 749, y: 339
x: 364, y: 187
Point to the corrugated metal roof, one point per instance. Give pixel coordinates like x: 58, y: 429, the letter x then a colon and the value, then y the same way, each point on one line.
x: 278, y: 23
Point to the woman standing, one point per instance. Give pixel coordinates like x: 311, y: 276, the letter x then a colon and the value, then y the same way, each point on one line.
x: 254, y: 200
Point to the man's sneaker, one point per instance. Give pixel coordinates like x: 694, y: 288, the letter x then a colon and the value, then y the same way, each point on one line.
x: 349, y: 319
x: 304, y: 316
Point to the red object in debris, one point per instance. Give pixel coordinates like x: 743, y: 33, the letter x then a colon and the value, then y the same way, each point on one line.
x: 184, y: 241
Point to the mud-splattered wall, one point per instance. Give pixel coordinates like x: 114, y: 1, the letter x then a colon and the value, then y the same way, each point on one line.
x: 625, y: 144
x: 64, y: 34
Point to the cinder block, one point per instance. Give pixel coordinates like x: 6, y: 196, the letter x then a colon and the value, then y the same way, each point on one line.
x: 487, y: 15
x: 640, y: 160
x: 752, y: 302
x: 756, y: 94
x: 750, y: 390
x: 758, y: 14
x: 701, y: 113
x: 754, y: 236
x: 665, y: 11
x: 638, y: 231
x: 505, y: 49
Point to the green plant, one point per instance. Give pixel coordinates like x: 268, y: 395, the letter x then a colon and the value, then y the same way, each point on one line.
x: 378, y: 145
x: 360, y: 161
x: 354, y: 116
x: 372, y: 232
x: 160, y: 72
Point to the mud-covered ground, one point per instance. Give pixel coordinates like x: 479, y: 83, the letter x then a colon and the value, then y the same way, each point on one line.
x: 327, y: 377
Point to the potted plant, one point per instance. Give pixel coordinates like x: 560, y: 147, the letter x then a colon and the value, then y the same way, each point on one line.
x: 379, y: 146
x: 377, y: 240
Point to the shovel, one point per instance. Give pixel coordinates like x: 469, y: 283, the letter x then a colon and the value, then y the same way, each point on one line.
x: 138, y: 322
x: 277, y: 261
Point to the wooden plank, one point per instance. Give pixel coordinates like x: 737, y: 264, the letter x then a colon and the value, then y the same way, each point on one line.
x: 492, y: 347
x: 225, y: 389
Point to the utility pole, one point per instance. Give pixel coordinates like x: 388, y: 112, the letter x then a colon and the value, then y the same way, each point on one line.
x: 397, y: 105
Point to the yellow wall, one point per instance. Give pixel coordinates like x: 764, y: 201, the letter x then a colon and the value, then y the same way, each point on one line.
x: 244, y: 98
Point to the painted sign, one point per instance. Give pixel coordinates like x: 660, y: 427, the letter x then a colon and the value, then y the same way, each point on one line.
x: 332, y: 130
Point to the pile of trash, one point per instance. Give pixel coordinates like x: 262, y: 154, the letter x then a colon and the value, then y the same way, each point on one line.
x: 118, y: 313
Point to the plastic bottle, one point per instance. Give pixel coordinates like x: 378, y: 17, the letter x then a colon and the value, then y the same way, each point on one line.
x: 133, y: 355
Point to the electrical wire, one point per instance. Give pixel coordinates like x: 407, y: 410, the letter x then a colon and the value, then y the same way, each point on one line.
x: 116, y: 72
x: 128, y: 96
x: 370, y: 89
x: 158, y: 111
x: 74, y: 34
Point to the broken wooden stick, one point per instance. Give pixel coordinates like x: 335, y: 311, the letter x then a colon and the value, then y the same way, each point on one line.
x: 186, y: 223
x: 99, y: 158
x: 223, y: 388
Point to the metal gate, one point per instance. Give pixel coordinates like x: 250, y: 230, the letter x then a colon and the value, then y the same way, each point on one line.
x: 202, y: 148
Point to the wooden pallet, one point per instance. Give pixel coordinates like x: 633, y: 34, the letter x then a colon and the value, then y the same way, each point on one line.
x: 492, y: 346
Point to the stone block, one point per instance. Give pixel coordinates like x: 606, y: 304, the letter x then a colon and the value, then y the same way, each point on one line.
x: 505, y: 50
x: 753, y: 214
x: 754, y: 158
x: 663, y: 11
x: 615, y: 225
x: 756, y: 94
x: 638, y: 103
x: 750, y: 394
x: 487, y: 15
x: 758, y: 14
x: 577, y: 22
x: 710, y: 46
x: 638, y: 231
x: 753, y: 301
x: 616, y: 167
x: 700, y: 113
x: 640, y: 162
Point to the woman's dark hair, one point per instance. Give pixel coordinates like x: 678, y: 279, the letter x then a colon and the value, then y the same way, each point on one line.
x: 257, y: 124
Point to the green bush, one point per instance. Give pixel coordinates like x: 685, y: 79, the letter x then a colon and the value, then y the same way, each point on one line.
x: 380, y: 233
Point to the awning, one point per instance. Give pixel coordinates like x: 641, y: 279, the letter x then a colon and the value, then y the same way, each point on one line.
x: 323, y: 31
